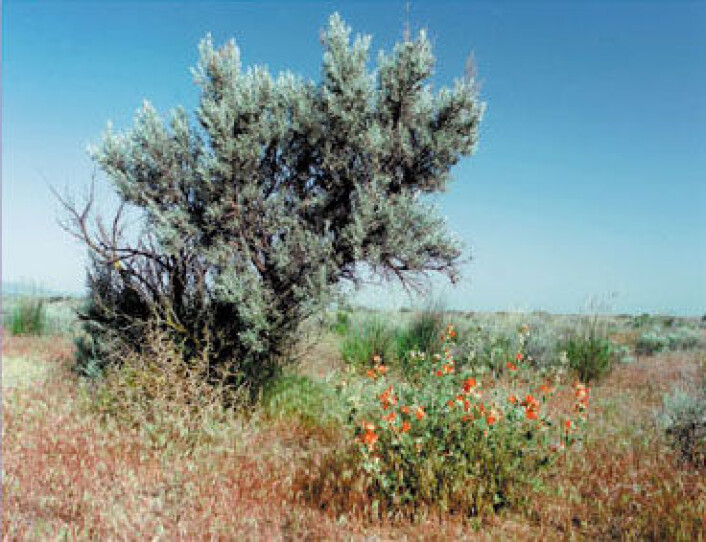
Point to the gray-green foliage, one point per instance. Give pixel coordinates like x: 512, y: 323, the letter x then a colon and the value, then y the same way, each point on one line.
x: 661, y: 340
x: 684, y: 422
x: 282, y: 189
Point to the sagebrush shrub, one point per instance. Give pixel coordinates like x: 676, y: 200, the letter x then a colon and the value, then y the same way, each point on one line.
x: 280, y: 189
x: 656, y: 340
x: 683, y: 419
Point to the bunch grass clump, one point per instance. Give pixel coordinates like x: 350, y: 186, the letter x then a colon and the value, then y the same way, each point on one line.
x: 421, y: 335
x: 369, y: 339
x: 28, y: 316
x: 590, y: 357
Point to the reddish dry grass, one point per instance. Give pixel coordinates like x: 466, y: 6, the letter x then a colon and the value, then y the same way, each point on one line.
x: 625, y: 483
x: 65, y: 474
x: 49, y: 348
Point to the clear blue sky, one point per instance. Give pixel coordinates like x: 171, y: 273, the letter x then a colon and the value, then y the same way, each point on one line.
x: 590, y: 176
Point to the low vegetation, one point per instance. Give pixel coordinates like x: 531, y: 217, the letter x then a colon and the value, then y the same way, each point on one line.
x: 450, y: 450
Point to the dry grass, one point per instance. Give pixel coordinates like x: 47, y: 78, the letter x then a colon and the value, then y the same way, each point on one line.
x: 70, y: 473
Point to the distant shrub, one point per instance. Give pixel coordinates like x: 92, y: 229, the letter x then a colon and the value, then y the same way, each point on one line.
x: 489, y: 346
x: 642, y: 321
x: 621, y: 353
x: 655, y: 341
x: 651, y: 343
x: 367, y: 339
x: 28, y: 316
x: 591, y: 357
x: 541, y: 346
x: 684, y: 422
x: 684, y: 338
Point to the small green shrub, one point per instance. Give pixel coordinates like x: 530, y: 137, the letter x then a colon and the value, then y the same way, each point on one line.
x: 651, y: 343
x: 367, y: 339
x: 590, y: 356
x: 684, y: 422
x: 28, y: 316
x: 642, y: 321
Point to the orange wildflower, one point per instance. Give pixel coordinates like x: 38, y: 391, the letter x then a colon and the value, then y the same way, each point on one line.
x: 369, y: 439
x: 368, y: 426
x: 419, y: 413
x: 469, y: 384
x: 531, y: 414
x: 520, y: 356
x: 382, y: 369
x: 388, y: 399
x: 451, y: 403
x: 491, y: 419
x: 530, y: 401
x: 513, y: 399
x: 389, y: 417
x: 372, y: 374
x: 404, y: 409
x: 511, y: 366
x: 544, y: 389
x: 406, y: 427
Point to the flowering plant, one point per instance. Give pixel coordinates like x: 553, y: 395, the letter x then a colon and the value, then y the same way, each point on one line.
x: 453, y: 440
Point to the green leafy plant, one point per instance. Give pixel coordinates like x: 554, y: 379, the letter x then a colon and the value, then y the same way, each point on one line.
x: 450, y: 442
x: 342, y: 323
